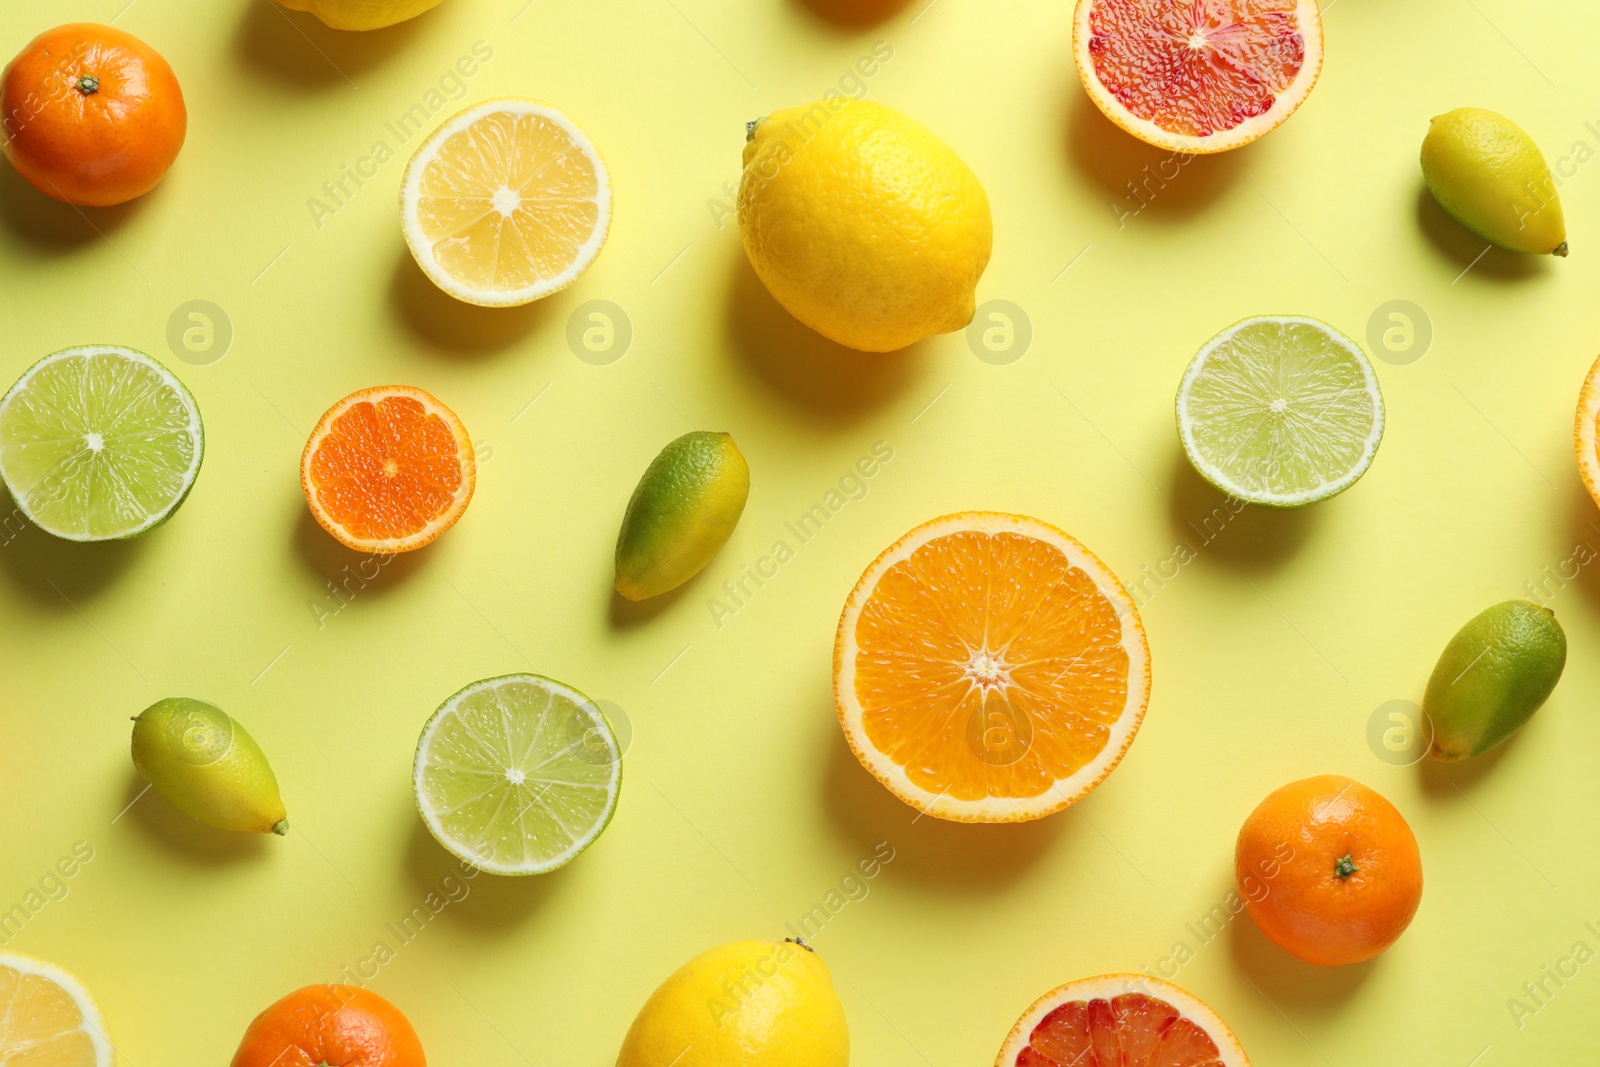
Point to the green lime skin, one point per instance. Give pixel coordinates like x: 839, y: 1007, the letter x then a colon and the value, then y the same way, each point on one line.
x: 1494, y: 674
x: 1490, y: 176
x: 683, y: 511
x: 203, y: 761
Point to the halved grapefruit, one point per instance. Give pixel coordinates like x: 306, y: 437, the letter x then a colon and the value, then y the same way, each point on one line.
x: 1198, y: 77
x: 1120, y: 1020
x: 988, y: 668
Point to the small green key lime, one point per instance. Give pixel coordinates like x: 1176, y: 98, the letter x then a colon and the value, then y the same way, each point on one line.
x: 1488, y: 174
x: 1494, y: 674
x: 683, y: 511
x: 203, y: 761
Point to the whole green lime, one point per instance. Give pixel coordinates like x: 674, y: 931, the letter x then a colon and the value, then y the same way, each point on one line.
x: 683, y: 510
x: 1488, y: 174
x: 1494, y: 674
x: 198, y: 757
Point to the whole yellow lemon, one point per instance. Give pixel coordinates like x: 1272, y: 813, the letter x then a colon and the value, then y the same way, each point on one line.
x: 862, y: 223
x: 748, y: 1004
x: 361, y: 14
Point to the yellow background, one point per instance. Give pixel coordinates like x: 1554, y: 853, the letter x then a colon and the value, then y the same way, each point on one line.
x: 741, y: 807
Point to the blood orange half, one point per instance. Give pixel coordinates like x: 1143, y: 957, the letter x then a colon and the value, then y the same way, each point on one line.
x: 988, y: 668
x: 388, y: 469
x: 1120, y: 1020
x: 1198, y: 77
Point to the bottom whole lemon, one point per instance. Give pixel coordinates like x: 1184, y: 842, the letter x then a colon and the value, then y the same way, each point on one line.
x: 746, y: 1004
x: 361, y: 14
x: 862, y: 223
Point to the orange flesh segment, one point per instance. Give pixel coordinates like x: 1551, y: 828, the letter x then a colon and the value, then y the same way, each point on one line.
x: 508, y: 202
x: 1003, y: 603
x: 1196, y: 68
x: 387, y: 468
x: 1131, y: 1030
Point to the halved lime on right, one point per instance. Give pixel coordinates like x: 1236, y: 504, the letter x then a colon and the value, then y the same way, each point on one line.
x: 99, y: 443
x: 517, y: 774
x: 1280, y: 410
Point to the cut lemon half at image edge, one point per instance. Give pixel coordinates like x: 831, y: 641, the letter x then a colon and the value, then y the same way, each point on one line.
x: 517, y: 774
x: 505, y: 203
x: 48, y: 1018
x: 99, y: 443
x: 1281, y: 411
x: 1586, y: 434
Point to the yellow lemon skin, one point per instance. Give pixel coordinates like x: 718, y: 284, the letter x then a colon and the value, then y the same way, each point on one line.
x: 205, y: 763
x: 747, y: 1004
x: 863, y: 224
x: 361, y: 14
x: 1490, y: 176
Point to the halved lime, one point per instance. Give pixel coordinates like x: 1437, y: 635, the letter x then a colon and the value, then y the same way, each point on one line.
x: 99, y: 443
x: 1280, y: 410
x: 518, y: 774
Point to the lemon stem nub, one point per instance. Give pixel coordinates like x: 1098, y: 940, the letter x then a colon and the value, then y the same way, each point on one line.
x: 1561, y: 250
x: 750, y: 129
x: 1345, y: 867
x: 281, y: 827
x: 88, y: 85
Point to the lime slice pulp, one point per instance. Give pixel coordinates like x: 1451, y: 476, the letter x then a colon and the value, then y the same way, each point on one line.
x: 518, y: 774
x: 1281, y: 411
x: 99, y: 443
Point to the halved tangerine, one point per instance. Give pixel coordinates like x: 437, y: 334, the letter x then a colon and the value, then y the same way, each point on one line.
x: 388, y: 469
x: 1120, y: 1020
x: 1198, y: 77
x: 988, y: 668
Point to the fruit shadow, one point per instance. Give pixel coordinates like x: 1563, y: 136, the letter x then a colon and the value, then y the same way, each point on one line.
x: 1452, y: 780
x: 826, y: 381
x: 55, y: 226
x: 958, y: 857
x: 458, y: 329
x: 1239, y: 536
x: 352, y: 575
x: 625, y: 614
x: 62, y: 574
x: 153, y: 817
x: 299, y: 50
x: 492, y: 905
x: 853, y: 14
x: 1137, y: 179
x: 1585, y: 533
x: 1462, y: 248
x: 1298, y: 990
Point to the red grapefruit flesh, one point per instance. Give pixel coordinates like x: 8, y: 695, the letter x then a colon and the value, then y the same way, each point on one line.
x: 1120, y: 1020
x: 1198, y: 76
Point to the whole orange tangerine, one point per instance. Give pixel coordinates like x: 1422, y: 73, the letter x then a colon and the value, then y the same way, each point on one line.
x: 91, y: 115
x: 330, y: 1024
x: 1329, y: 870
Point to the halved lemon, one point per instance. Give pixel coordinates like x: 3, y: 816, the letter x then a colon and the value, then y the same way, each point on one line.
x: 506, y: 202
x: 1120, y: 1020
x: 1198, y: 78
x: 47, y: 1017
x: 988, y: 668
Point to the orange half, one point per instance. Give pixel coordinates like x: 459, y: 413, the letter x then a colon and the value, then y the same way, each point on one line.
x: 1120, y: 1020
x: 988, y: 668
x: 388, y: 469
x: 1585, y: 437
x: 1198, y: 77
